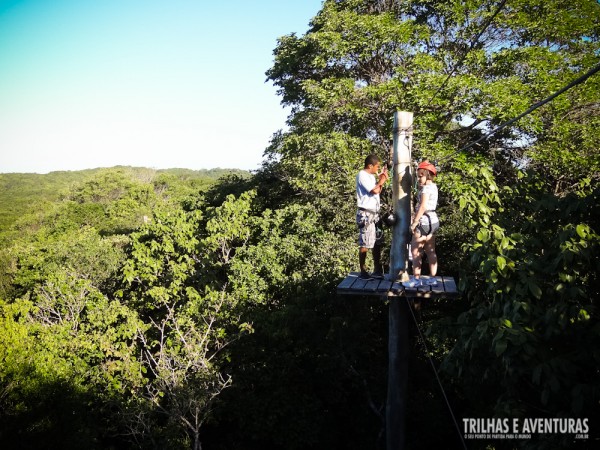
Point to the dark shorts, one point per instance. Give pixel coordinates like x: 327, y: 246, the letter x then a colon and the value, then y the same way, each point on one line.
x: 427, y: 227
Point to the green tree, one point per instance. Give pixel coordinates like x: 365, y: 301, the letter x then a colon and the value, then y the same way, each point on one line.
x: 292, y: 387
x: 123, y: 355
x: 63, y: 347
x: 176, y: 277
x: 516, y: 201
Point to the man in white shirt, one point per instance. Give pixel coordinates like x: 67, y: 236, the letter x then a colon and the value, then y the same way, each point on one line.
x: 368, y: 203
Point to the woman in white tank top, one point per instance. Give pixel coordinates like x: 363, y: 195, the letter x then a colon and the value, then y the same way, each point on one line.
x: 425, y: 223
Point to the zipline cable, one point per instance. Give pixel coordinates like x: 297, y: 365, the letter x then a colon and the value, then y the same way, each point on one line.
x: 460, y: 434
x: 473, y: 42
x: 573, y: 83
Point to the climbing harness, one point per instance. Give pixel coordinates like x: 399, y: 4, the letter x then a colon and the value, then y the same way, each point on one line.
x: 430, y: 226
x: 389, y: 219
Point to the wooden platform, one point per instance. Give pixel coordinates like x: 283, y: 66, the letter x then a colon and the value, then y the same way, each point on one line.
x: 353, y: 285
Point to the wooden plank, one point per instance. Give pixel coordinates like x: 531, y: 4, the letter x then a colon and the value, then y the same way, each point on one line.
x: 438, y: 289
x: 425, y: 288
x: 410, y: 292
x: 425, y: 278
x: 348, y: 281
x: 385, y: 286
x: 372, y: 285
x: 450, y: 286
x: 354, y: 285
x: 359, y: 284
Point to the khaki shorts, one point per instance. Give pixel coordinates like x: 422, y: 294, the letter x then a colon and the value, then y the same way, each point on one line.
x: 369, y: 234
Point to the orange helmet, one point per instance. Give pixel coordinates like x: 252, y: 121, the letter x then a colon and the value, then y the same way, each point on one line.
x: 427, y: 165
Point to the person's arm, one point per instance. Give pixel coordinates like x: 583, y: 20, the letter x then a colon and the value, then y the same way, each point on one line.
x: 382, y: 179
x: 420, y: 211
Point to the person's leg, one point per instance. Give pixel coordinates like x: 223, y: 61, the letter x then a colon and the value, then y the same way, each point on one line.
x: 367, y: 240
x: 416, y: 247
x: 429, y: 247
x: 362, y: 259
x: 377, y: 267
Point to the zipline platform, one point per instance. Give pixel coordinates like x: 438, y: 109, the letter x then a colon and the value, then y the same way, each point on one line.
x: 354, y: 285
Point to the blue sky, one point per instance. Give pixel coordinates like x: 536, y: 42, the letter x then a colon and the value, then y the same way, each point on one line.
x: 180, y: 83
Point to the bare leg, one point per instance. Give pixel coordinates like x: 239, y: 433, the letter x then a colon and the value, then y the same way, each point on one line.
x: 429, y: 247
x: 362, y: 258
x: 416, y: 246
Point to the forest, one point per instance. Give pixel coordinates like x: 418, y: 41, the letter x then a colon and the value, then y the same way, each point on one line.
x: 198, y: 310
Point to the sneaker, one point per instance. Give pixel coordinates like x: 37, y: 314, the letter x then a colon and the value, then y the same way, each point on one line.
x: 365, y: 276
x: 378, y: 275
x: 412, y: 283
x: 430, y: 282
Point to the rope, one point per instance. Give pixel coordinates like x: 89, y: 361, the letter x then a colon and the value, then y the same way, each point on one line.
x: 473, y: 42
x: 407, y: 130
x: 460, y: 435
x: 573, y: 83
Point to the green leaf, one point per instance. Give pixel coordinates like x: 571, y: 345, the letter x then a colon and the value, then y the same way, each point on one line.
x: 501, y: 345
x: 534, y: 289
x: 501, y: 262
x: 583, y: 314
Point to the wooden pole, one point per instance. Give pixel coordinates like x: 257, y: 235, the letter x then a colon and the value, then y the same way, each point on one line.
x: 398, y: 350
x: 401, y: 186
x: 398, y: 339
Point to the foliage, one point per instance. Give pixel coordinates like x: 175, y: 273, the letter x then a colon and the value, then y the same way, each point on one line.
x: 20, y: 192
x: 185, y: 327
x: 532, y: 278
x: 61, y: 332
x: 168, y: 310
x: 295, y: 364
x: 62, y: 346
x: 23, y: 193
x: 528, y: 261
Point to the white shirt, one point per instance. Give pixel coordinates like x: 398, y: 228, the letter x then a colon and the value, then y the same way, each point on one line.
x: 432, y: 199
x: 365, y: 183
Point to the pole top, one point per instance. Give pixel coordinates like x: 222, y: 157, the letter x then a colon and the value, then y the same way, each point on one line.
x: 403, y: 119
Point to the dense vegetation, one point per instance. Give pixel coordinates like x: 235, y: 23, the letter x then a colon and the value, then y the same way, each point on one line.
x: 19, y: 190
x: 214, y: 323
